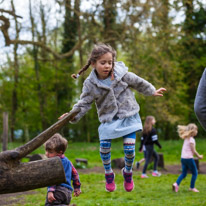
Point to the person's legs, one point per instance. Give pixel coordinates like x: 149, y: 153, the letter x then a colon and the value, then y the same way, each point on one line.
x: 156, y: 159
x: 149, y: 151
x: 193, y: 168
x: 184, y: 171
x: 155, y: 173
x: 62, y: 195
x: 141, y: 161
x: 129, y: 151
x: 105, y: 154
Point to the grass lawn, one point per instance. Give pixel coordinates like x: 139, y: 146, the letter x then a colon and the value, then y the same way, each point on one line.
x: 153, y: 191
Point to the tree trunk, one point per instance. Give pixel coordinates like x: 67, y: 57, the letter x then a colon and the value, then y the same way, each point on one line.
x: 32, y: 175
x: 109, y: 21
x: 41, y: 96
x: 5, y: 131
x: 16, y: 176
x: 16, y: 77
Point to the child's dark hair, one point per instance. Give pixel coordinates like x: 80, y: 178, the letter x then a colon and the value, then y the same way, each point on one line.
x: 56, y: 143
x: 98, y: 50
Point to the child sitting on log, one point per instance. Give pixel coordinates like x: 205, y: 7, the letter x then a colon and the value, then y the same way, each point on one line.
x: 61, y: 194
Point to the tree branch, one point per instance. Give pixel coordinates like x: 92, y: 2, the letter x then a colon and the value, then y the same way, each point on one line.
x: 24, y: 150
x: 5, y: 27
x: 11, y: 13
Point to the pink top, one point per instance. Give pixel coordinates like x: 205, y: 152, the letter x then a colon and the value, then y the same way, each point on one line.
x: 186, y: 148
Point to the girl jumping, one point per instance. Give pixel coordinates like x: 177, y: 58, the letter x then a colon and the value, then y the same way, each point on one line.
x: 109, y: 86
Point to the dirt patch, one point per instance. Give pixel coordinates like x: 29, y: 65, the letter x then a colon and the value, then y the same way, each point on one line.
x: 12, y: 198
x: 169, y: 169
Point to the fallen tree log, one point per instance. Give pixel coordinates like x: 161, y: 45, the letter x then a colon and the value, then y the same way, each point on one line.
x: 17, y: 177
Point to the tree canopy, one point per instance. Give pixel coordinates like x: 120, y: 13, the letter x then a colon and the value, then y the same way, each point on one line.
x: 55, y: 38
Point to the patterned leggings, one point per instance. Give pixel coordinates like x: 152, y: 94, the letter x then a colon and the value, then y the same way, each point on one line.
x: 129, y: 151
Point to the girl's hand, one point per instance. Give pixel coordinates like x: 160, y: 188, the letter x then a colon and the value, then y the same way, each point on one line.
x: 63, y: 115
x: 159, y: 92
x: 200, y: 156
x: 51, y: 197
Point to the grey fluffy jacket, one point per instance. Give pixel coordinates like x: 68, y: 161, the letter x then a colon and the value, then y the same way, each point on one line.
x: 116, y: 100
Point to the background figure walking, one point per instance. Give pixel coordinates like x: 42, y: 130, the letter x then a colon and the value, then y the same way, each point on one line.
x: 149, y: 138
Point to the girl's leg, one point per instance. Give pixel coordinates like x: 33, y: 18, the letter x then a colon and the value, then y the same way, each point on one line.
x: 156, y: 159
x: 149, y: 151
x: 193, y: 168
x: 105, y: 154
x: 129, y: 151
x: 184, y: 171
x: 142, y: 160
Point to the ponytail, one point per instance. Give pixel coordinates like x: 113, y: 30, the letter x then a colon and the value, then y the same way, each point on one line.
x: 76, y: 76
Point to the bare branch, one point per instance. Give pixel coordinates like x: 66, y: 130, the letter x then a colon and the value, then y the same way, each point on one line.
x: 5, y: 27
x: 30, y: 146
x: 11, y: 13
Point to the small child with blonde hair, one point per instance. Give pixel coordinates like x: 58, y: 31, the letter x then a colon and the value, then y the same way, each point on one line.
x: 61, y: 194
x: 188, y: 151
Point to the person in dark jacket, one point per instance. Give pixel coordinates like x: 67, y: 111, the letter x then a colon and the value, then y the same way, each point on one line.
x: 148, y: 139
x: 200, y: 101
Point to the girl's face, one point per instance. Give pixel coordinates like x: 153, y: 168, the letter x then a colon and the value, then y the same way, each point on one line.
x: 153, y: 121
x: 195, y: 132
x: 103, y: 65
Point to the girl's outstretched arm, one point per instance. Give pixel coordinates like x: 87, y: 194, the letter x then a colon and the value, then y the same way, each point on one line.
x: 159, y: 92
x: 195, y: 151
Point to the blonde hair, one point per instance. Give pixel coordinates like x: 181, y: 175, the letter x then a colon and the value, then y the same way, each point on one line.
x: 98, y: 50
x: 148, y: 124
x: 56, y: 143
x: 189, y: 130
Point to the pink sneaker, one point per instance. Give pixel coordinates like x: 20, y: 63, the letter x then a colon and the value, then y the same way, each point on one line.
x: 128, y: 181
x: 175, y: 187
x: 194, y: 190
x: 144, y: 176
x: 110, y: 184
x: 156, y: 174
